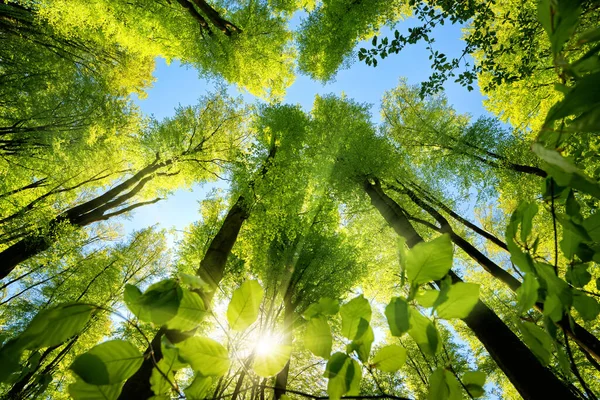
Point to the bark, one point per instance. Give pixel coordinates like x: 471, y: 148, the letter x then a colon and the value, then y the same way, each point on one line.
x: 211, y: 270
x: 282, y: 377
x: 78, y: 216
x: 222, y: 24
x: 530, y: 378
x: 585, y: 340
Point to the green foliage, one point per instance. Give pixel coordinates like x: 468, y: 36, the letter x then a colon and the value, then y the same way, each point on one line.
x: 397, y: 314
x: 205, y: 355
x: 244, y: 306
x: 317, y: 337
x: 356, y: 315
x: 389, y: 358
x: 166, y: 302
x: 460, y: 300
x: 429, y: 261
x: 444, y: 386
x: 108, y: 363
x: 270, y: 363
x: 344, y: 376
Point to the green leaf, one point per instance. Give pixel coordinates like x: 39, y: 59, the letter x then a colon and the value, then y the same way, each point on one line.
x: 356, y: 315
x: 427, y: 298
x: 168, y: 364
x: 325, y: 306
x: 362, y: 346
x: 538, y: 341
x: 424, y: 332
x: 389, y: 358
x: 592, y: 226
x: 53, y: 326
x: 190, y: 312
x: 244, y: 306
x: 586, y: 306
x: 578, y: 275
x: 429, y: 261
x: 344, y: 375
x: 199, y: 388
x: 397, y: 314
x: 462, y: 297
x: 318, y: 338
x: 108, y: 363
x: 206, y: 356
x: 527, y: 294
x: 443, y: 386
x: 194, y: 282
x: 329, y: 306
x: 553, y: 284
x: 84, y: 391
x: 564, y: 172
x: 158, y: 304
x: 474, y: 382
x: 270, y: 363
x: 528, y: 211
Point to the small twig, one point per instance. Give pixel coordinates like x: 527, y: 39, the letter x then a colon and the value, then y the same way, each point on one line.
x: 575, y: 370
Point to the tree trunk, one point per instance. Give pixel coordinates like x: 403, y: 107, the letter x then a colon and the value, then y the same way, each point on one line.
x: 530, y: 378
x: 211, y: 271
x: 585, y: 340
x: 78, y: 216
x: 288, y: 325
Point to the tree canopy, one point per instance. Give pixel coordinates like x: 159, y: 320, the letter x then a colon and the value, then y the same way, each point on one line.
x: 414, y: 252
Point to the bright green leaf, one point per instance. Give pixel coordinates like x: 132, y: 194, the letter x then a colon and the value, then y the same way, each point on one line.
x: 474, y: 382
x: 84, y: 391
x: 538, y: 341
x: 356, y: 315
x: 244, y: 306
x: 389, y: 358
x: 190, y: 313
x: 429, y: 261
x: 318, y: 338
x: 108, y: 363
x: 206, y: 356
x: 462, y: 297
x: 199, y: 388
x: 424, y: 332
x: 527, y: 294
x: 397, y: 314
x: 271, y: 362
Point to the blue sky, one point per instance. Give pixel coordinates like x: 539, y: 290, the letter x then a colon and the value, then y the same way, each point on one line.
x: 180, y: 85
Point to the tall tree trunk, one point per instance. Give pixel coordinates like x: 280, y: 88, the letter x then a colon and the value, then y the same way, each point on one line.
x: 84, y: 214
x: 288, y: 324
x: 211, y: 270
x: 530, y: 378
x: 585, y: 340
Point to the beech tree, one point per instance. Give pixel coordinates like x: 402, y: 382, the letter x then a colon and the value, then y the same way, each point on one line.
x: 432, y: 256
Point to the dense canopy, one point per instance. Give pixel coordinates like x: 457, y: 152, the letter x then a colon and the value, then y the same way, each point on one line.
x: 404, y: 250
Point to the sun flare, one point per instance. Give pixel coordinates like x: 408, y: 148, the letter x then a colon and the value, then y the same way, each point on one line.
x: 266, y: 343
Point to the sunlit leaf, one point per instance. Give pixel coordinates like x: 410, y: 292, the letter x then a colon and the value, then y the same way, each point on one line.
x: 397, y: 314
x: 429, y: 261
x: 244, y: 305
x: 269, y: 363
x: 389, y: 358
x: 318, y: 338
x: 206, y: 356
x: 462, y: 297
x: 108, y: 363
x: 356, y: 315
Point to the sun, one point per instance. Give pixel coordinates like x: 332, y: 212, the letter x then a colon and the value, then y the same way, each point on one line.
x: 266, y: 343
